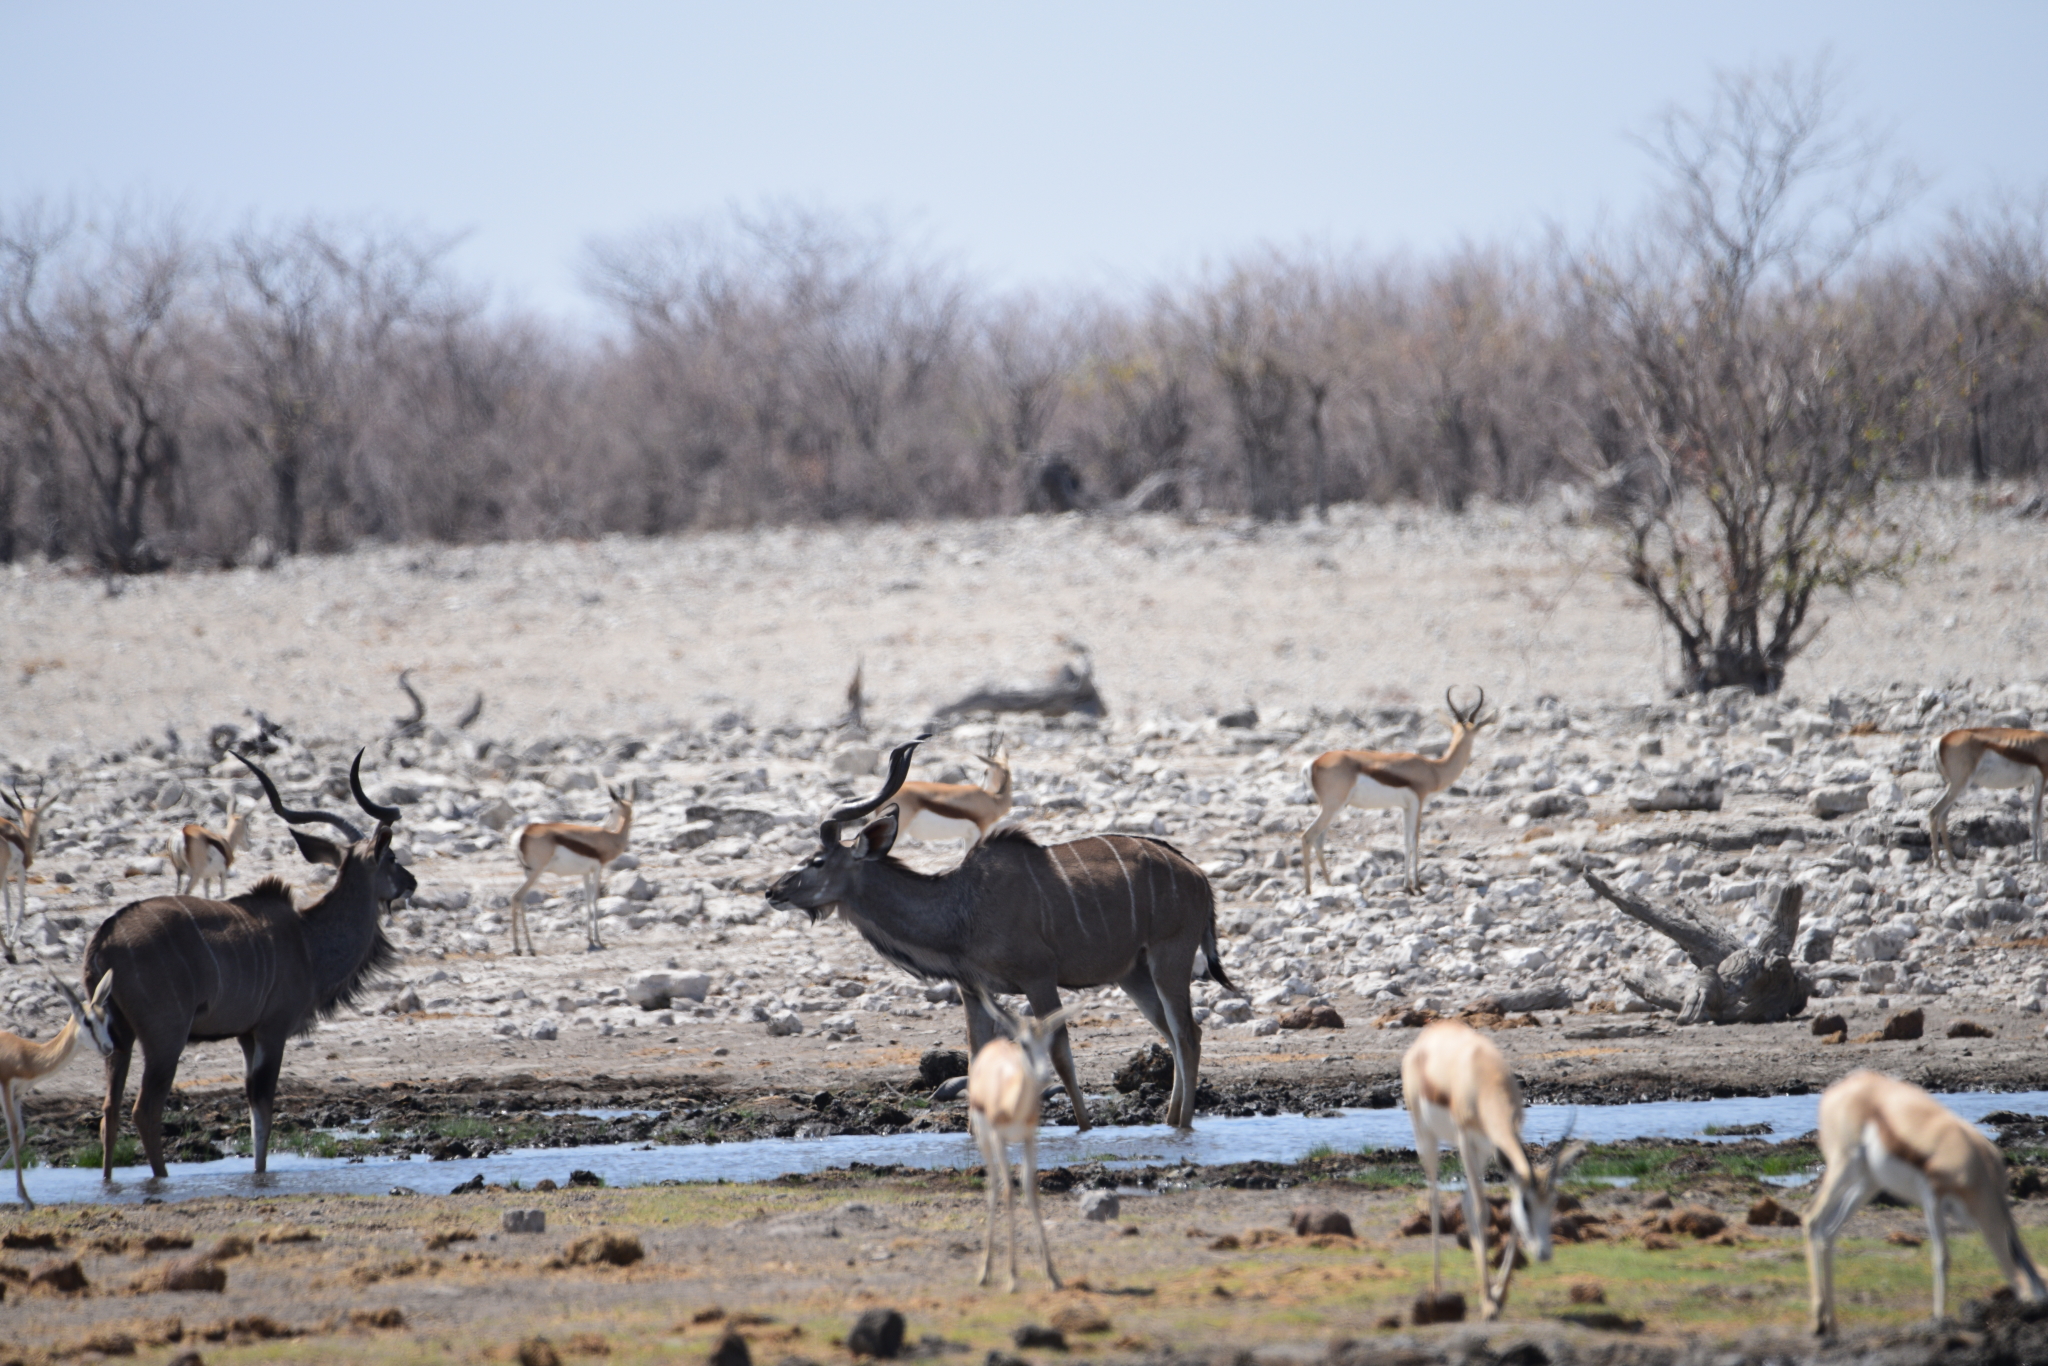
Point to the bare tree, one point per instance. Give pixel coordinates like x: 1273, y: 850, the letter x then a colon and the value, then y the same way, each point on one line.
x: 1767, y: 408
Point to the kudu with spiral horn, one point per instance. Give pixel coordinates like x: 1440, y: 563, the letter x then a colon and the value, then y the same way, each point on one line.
x: 254, y: 968
x: 1023, y: 918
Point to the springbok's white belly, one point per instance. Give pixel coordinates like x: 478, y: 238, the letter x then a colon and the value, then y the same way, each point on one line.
x: 1995, y: 770
x: 1897, y: 1177
x: 931, y: 828
x: 1374, y: 795
x: 569, y: 861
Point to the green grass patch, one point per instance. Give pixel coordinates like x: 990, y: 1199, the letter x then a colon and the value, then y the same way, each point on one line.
x: 127, y: 1153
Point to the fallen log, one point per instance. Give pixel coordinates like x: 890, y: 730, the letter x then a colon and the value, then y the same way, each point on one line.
x: 1733, y: 983
x: 1070, y: 693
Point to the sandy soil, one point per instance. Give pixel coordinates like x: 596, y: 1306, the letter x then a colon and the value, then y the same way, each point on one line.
x: 624, y: 635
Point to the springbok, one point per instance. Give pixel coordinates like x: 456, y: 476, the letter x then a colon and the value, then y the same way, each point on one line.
x: 18, y: 840
x: 931, y: 812
x: 199, y: 857
x: 24, y: 1062
x: 1005, y: 1093
x: 254, y: 968
x: 1378, y: 779
x: 1018, y: 917
x: 1989, y: 756
x: 558, y: 847
x: 1878, y: 1133
x: 1459, y: 1091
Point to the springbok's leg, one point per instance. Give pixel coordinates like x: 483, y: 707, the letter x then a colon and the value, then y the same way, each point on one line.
x: 1045, y: 999
x: 1478, y: 1216
x: 1031, y: 1194
x: 1843, y: 1190
x: 263, y: 1058
x: 1002, y: 1171
x: 1426, y: 1149
x: 159, y: 1071
x: 1987, y: 1209
x: 591, y: 882
x: 1937, y: 823
x: 519, y: 912
x: 1937, y: 1244
x: 1411, y: 838
x: 110, y: 1113
x: 1312, y: 844
x: 991, y: 1161
x: 2040, y: 777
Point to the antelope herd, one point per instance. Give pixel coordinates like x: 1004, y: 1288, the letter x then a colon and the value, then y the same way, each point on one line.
x: 1014, y: 917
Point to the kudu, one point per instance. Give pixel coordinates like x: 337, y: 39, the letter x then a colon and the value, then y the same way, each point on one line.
x: 24, y: 1062
x: 1020, y: 917
x: 253, y: 968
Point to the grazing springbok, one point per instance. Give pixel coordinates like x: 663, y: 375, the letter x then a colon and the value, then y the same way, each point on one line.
x: 585, y: 850
x: 18, y: 840
x: 1005, y: 1092
x: 1459, y: 1091
x: 199, y: 857
x: 1989, y: 756
x: 1020, y: 917
x: 931, y: 812
x: 1878, y: 1133
x: 1377, y: 779
x: 254, y: 968
x: 24, y: 1062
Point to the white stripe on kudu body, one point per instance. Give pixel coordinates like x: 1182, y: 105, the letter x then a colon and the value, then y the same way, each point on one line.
x: 1989, y: 756
x: 1878, y: 1133
x: 1379, y: 780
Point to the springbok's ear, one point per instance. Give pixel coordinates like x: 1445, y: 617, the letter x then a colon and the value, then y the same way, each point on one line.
x: 318, y: 850
x: 1052, y: 1023
x: 1566, y: 1160
x: 878, y: 837
x: 101, y: 992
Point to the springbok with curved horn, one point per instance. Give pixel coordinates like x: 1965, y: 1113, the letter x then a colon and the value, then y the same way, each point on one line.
x: 254, y: 968
x: 932, y: 812
x: 199, y: 857
x: 583, y: 850
x: 1376, y: 779
x: 1878, y: 1133
x: 1989, y: 756
x: 1019, y: 917
x: 18, y: 840
x: 1459, y: 1091
x: 24, y: 1062
x: 1005, y: 1094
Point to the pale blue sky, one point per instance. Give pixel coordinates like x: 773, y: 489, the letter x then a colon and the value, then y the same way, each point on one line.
x: 1105, y: 145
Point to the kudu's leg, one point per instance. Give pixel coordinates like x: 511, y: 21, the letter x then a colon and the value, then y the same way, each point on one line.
x: 17, y: 1135
x: 262, y: 1058
x: 1045, y: 999
x: 110, y: 1113
x: 159, y: 1071
x: 1138, y: 986
x: 1171, y: 975
x: 981, y: 1026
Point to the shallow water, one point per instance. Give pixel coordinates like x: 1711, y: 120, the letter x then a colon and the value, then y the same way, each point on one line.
x: 1270, y: 1138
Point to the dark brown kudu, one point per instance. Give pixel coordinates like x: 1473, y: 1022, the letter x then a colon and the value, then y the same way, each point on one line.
x: 1020, y: 917
x: 253, y: 968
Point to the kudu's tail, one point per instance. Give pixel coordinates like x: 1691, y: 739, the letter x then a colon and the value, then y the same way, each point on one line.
x: 1210, y: 952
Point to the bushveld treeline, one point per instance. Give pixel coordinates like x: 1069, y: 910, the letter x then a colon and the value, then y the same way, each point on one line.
x: 169, y: 398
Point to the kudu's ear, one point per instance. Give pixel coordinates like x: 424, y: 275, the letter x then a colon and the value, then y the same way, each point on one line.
x: 878, y: 837
x: 315, y: 849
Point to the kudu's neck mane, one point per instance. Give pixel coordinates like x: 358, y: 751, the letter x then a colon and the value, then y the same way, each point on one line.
x: 919, y: 921
x: 342, y: 931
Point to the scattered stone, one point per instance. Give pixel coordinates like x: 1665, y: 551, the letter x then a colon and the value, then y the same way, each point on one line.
x: 731, y: 1351
x: 1657, y: 1242
x: 941, y: 1064
x: 288, y: 1233
x: 1829, y: 1024
x: 525, y: 1221
x: 579, y: 1177
x: 1080, y: 1319
x: 1448, y: 1307
x: 1031, y: 1335
x: 442, y: 1239
x: 1587, y: 1292
x: 604, y: 1249
x: 1768, y: 1213
x: 951, y: 1090
x: 189, y: 1274
x: 1907, y: 1024
x: 390, y: 1316
x: 23, y: 1240
x: 1311, y: 1017
x: 1149, y: 1066
x: 784, y: 1023
x: 1898, y: 1237
x: 538, y: 1352
x: 876, y: 1333
x: 1661, y: 1200
x: 1310, y: 1220
x: 1696, y: 1221
x: 1100, y: 1207
x: 230, y: 1246
x: 1970, y: 1029
x: 1677, y: 795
